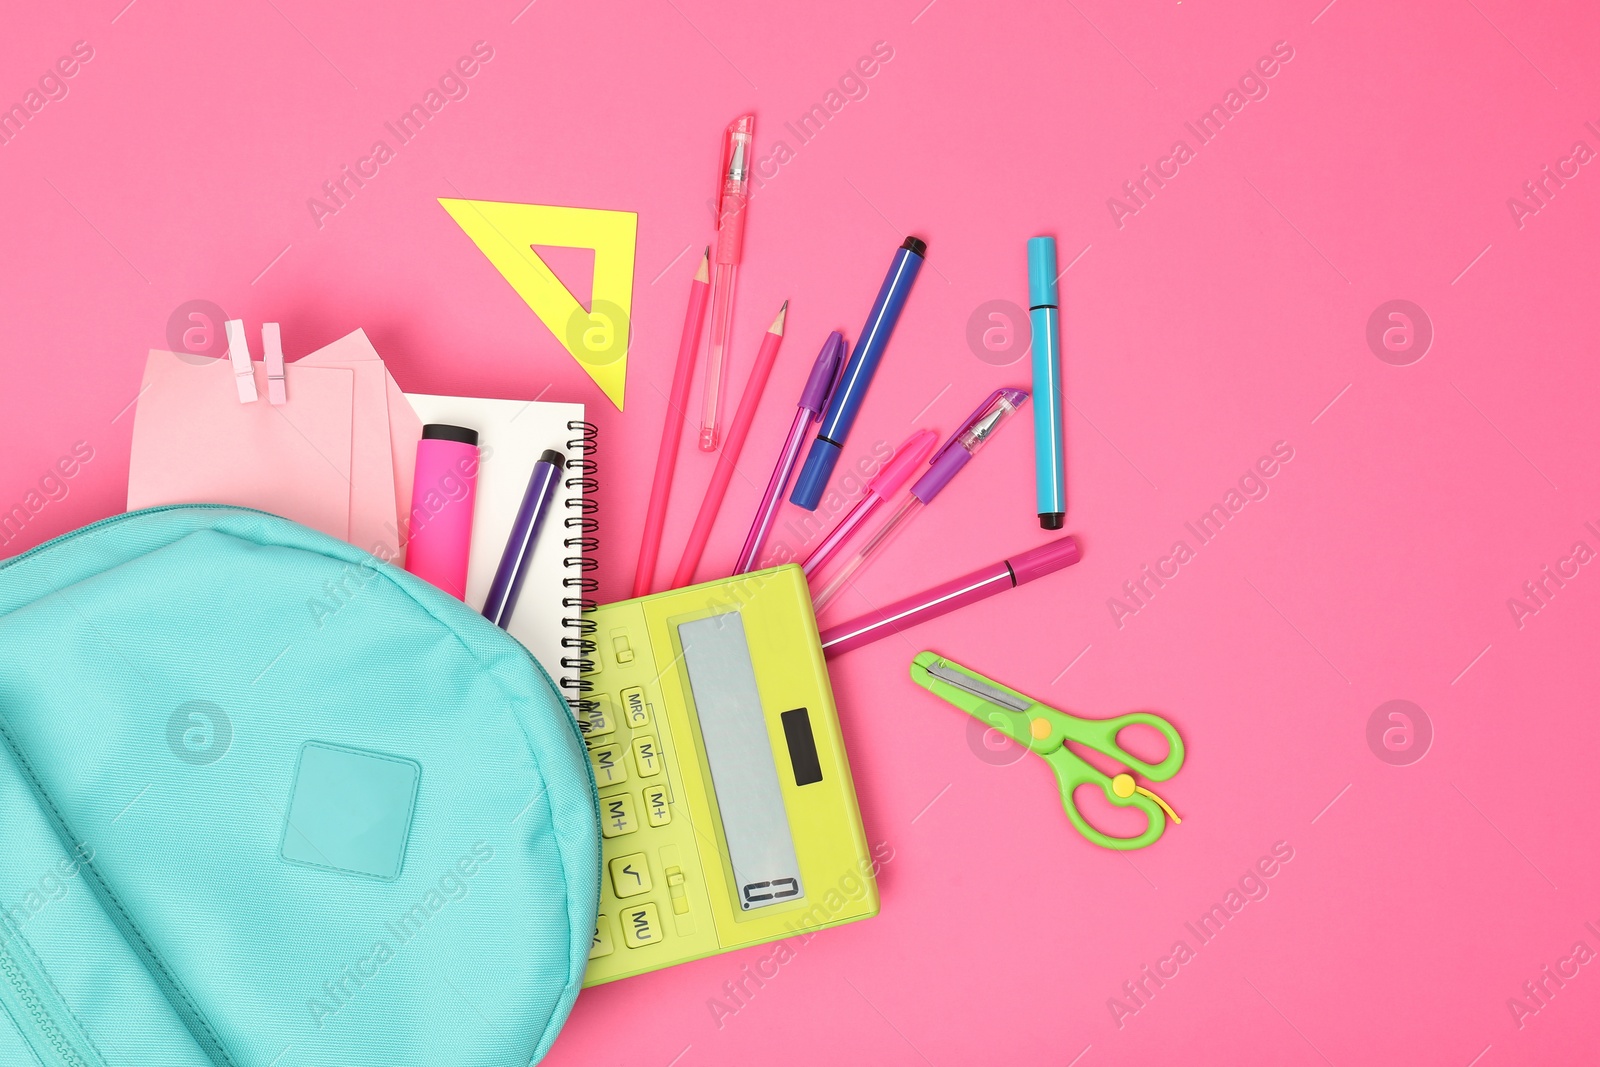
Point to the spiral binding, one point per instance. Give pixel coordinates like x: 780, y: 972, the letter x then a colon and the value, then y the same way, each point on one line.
x: 582, y: 543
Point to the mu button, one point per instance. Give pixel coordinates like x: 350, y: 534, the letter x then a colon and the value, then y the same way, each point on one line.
x: 640, y: 926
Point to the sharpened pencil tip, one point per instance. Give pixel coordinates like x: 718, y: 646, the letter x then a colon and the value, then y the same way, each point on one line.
x: 704, y: 273
x: 777, y: 323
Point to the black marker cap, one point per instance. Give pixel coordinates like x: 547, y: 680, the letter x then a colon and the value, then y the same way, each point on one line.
x: 443, y: 431
x: 1052, y: 520
x: 915, y: 245
x: 550, y: 455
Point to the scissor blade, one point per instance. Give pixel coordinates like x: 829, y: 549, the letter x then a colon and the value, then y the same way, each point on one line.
x: 983, y: 690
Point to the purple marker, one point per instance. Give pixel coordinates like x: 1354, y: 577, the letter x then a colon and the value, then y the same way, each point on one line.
x: 955, y: 454
x: 507, y: 584
x: 813, y: 398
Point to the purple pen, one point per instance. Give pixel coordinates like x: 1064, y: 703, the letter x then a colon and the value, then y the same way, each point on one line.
x: 955, y: 454
x: 513, y: 568
x: 813, y: 398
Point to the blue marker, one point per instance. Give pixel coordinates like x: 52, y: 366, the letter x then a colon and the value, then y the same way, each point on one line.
x: 852, y: 387
x: 1049, y: 464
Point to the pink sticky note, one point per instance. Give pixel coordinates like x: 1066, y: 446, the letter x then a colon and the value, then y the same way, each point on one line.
x: 193, y: 442
x: 375, y: 470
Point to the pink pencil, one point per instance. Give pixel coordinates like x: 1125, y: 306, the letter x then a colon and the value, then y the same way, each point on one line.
x: 655, y: 515
x: 723, y: 474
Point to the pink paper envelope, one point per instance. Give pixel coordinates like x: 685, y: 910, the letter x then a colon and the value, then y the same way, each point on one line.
x: 383, y: 434
x: 193, y: 442
x: 405, y: 430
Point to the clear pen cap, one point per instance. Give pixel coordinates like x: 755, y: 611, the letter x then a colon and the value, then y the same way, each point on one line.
x: 1001, y: 405
x: 740, y: 147
x: 981, y: 425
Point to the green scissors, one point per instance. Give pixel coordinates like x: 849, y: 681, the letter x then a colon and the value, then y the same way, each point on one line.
x: 1046, y: 731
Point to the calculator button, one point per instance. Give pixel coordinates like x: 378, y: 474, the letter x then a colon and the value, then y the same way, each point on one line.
x: 634, y: 707
x: 657, y: 808
x: 620, y: 646
x: 601, y: 945
x: 640, y: 925
x: 616, y: 815
x: 630, y: 875
x: 647, y: 755
x: 608, y: 765
x: 599, y: 717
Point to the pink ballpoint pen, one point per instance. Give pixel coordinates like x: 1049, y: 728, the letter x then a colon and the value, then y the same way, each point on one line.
x: 731, y: 201
x: 885, y: 484
x: 813, y: 398
x: 947, y: 463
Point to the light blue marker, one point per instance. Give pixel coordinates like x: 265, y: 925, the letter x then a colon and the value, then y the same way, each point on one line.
x: 1044, y: 313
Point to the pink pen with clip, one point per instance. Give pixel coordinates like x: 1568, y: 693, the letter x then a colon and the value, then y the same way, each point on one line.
x: 955, y: 454
x: 731, y: 201
x: 813, y: 398
x: 895, y: 473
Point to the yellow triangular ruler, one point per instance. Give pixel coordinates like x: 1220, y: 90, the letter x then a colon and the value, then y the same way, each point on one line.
x: 597, y: 336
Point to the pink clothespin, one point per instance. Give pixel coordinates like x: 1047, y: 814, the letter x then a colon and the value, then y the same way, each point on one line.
x: 272, y: 342
x: 244, y: 375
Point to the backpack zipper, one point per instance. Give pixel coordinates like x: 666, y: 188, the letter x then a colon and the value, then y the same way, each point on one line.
x: 27, y: 995
x: 109, y: 520
x: 37, y: 1011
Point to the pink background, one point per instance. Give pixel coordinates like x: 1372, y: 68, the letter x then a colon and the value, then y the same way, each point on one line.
x: 1228, y: 314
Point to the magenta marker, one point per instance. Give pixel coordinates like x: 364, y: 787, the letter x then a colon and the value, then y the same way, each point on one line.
x: 956, y: 593
x: 887, y: 482
x: 442, y: 498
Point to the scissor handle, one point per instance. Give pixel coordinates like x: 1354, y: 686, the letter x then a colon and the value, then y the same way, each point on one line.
x: 1070, y: 779
x: 1101, y: 735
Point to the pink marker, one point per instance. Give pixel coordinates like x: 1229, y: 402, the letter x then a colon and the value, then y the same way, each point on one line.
x: 442, y: 498
x: 956, y: 593
x: 911, y: 454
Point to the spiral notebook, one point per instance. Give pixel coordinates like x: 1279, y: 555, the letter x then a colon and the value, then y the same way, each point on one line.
x: 559, y: 587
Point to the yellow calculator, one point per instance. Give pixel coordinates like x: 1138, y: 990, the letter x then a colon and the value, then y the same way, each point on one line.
x: 727, y: 811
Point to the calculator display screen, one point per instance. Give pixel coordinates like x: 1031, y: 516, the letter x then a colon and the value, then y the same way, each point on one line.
x: 733, y: 727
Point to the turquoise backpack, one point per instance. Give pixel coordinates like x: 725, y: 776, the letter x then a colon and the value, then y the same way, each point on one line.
x: 242, y: 831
